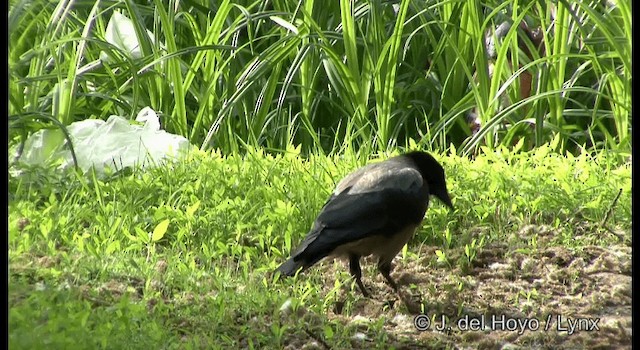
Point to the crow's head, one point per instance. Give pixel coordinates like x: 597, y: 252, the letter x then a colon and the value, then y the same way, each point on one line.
x: 433, y: 173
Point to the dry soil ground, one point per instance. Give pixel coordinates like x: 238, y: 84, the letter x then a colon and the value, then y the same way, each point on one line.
x: 549, y: 297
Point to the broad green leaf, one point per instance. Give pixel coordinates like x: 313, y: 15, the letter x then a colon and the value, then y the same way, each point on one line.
x: 192, y: 209
x: 160, y: 230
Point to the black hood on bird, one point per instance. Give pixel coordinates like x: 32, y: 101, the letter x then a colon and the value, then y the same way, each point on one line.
x: 433, y: 173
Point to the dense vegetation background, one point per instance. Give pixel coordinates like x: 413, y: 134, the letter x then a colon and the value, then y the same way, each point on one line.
x: 327, y: 75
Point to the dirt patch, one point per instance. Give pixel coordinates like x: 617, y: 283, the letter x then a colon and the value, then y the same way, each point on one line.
x: 551, y: 297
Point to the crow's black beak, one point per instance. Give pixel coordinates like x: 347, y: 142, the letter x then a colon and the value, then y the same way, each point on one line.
x: 443, y: 195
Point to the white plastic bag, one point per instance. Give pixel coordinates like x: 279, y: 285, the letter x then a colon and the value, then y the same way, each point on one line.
x: 113, y: 144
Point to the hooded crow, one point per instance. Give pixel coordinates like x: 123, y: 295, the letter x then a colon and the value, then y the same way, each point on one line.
x: 374, y: 210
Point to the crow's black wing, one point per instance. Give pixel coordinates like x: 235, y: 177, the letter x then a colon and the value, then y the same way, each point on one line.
x: 382, y: 204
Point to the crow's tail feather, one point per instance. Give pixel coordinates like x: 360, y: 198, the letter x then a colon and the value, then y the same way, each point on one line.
x: 290, y: 267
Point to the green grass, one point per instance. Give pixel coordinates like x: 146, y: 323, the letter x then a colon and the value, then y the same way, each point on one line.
x: 92, y: 264
x: 328, y: 77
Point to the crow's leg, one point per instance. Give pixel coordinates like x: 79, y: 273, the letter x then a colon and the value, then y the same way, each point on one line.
x: 356, y: 272
x: 385, y: 269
